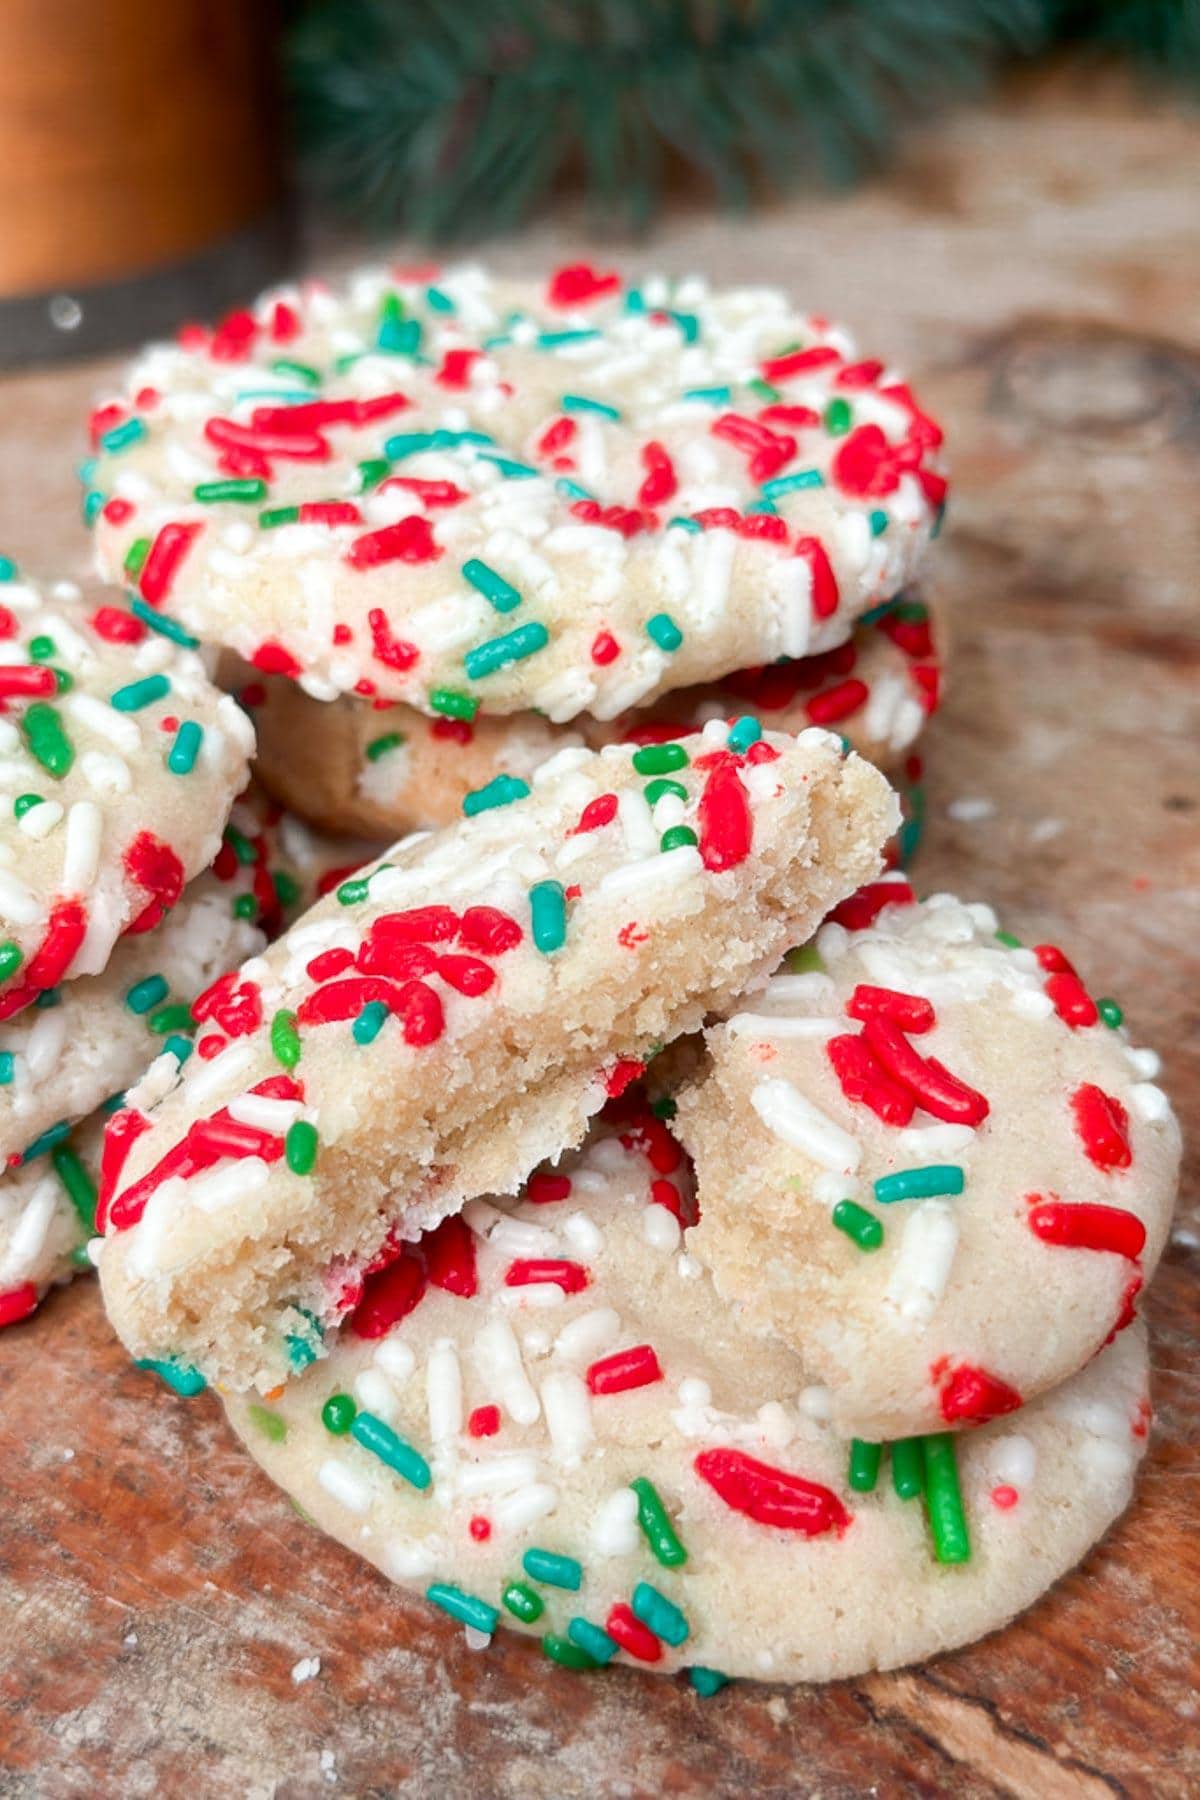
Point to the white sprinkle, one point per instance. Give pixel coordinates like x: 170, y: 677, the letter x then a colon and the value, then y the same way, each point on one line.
x: 81, y: 859
x: 107, y: 775
x: 407, y: 1558
x: 1032, y: 1003
x: 18, y: 905
x: 395, y: 1359
x: 667, y: 869
x: 583, y: 1234
x: 660, y: 1228
x: 516, y: 1237
x: 780, y: 1025
x: 1149, y: 1102
x: 615, y: 1526
x: 496, y: 1475
x: 443, y: 1391
x: 970, y: 809
x: 796, y: 1121
x: 37, y: 822
x: 926, y: 1142
x: 306, y: 1669
x: 1146, y: 1063
x: 1012, y: 1459
x: 587, y: 1334
x: 375, y: 1394
x: 498, y: 1360
x: 476, y: 1639
x: 264, y: 1113
x: 815, y: 1403
x: 513, y: 1512
x: 922, y: 1266
x: 249, y: 1175
x: 121, y: 731
x: 224, y: 1071
x: 344, y: 1485
x: 530, y: 1294
x: 568, y: 1409
x: 30, y: 1231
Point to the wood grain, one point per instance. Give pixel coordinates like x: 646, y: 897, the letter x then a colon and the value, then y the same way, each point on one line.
x: 1036, y: 265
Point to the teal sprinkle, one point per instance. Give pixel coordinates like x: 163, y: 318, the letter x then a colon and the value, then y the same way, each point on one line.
x: 570, y: 490
x: 92, y: 502
x: 496, y: 591
x: 141, y: 693
x: 514, y: 646
x: 121, y: 436
x: 714, y: 396
x: 502, y: 790
x: 48, y: 1140
x: 146, y: 994
x: 878, y: 521
x: 744, y: 732
x: 571, y: 403
x: 548, y: 910
x: 302, y: 1347
x: 168, y: 628
x: 599, y: 1646
x: 689, y: 326
x: 8, y: 568
x: 682, y: 524
x: 661, y: 1615
x: 707, y: 1682
x: 663, y: 630
x: 391, y: 1449
x: 179, y: 1046
x: 512, y: 471
x: 47, y: 998
x: 554, y: 1570
x: 6, y: 1067
x: 409, y: 443
x: 186, y: 748
x: 764, y: 506
x: 550, y: 340
x: 919, y: 1184
x: 466, y: 1608
x: 436, y: 301
x: 788, y: 484
x: 113, y: 1104
x: 635, y: 301
x: 879, y: 612
x: 181, y: 1376
x: 402, y: 337
x: 370, y: 1022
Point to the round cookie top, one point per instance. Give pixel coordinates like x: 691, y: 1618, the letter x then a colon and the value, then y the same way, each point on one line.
x: 464, y: 492
x: 931, y: 1163
x: 544, y: 1416
x: 455, y: 1014
x: 119, y: 761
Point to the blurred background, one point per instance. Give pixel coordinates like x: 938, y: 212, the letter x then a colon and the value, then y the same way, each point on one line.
x: 160, y: 161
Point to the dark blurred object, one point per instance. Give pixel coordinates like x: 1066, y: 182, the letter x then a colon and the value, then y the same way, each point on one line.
x: 139, y: 167
x: 452, y: 120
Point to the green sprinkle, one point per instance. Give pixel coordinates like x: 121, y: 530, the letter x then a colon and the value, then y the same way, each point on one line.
x: 1110, y: 1012
x: 857, y: 1223
x: 502, y: 790
x: 388, y: 740
x: 744, y: 732
x: 522, y: 1602
x: 137, y: 694
x: 838, y: 417
x: 581, y: 403
x: 371, y: 472
x: 548, y: 908
x: 268, y: 1422
x: 181, y: 1376
x: 655, y: 1522
x: 1006, y: 937
x: 763, y: 390
x: 391, y: 1449
x: 42, y: 649
x: 496, y: 591
x: 707, y: 1682
x: 168, y: 628
x: 25, y: 803
x: 209, y: 493
x: 712, y: 396
x: 943, y: 1501
x: 171, y: 1018
x: 468, y: 1609
x: 919, y: 1184
x: 877, y: 612
x: 665, y: 1107
x: 338, y: 1414
x: 593, y: 1641
x: 354, y: 891
x: 877, y: 519
x: 568, y: 1655
x: 657, y: 789
x: 555, y: 1570
x: 241, y: 846
x: 271, y: 516
x: 513, y: 647
x: 245, y: 907
x: 677, y: 837
x: 370, y: 1022
x: 908, y: 1467
x: 663, y: 631
x: 661, y: 1615
x: 135, y: 556
x: 81, y: 1189
x: 46, y: 1140
x: 864, y: 1465
x: 146, y: 993
x: 79, y: 1257
x: 47, y: 998
x: 453, y: 704
x: 48, y: 743
x: 285, y: 1039
x: 6, y: 1067
x: 791, y: 484
x: 180, y: 1047
x: 287, y: 888
x: 121, y: 436
x: 63, y: 682
x: 660, y: 759
x: 284, y: 365
x: 300, y: 1146
x: 113, y: 1104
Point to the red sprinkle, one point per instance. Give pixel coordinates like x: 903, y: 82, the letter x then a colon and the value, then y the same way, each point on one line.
x: 799, y: 362
x: 972, y: 1397
x: 323, y: 967
x: 466, y: 974
x: 863, y: 908
x: 388, y: 1297
x: 154, y: 866
x: 931, y: 1084
x: 1072, y: 1002
x: 625, y: 1369
x: 578, y: 283
x: 161, y: 566
x: 121, y: 1131
x: 600, y: 811
x: 480, y: 1528
x: 726, y: 824
x: 771, y: 1496
x: 825, y: 591
x: 571, y: 1277
x: 65, y: 932
x: 26, y: 680
x: 837, y: 702
x: 866, y: 465
x: 623, y: 1073
x: 484, y: 1422
x: 660, y: 483
x: 455, y: 371
x: 909, y: 1011
x: 395, y: 652
x: 488, y: 930
x: 409, y: 540
x: 449, y: 1252
x: 1005, y: 1497
x: 1088, y: 1226
x: 17, y: 1303
x: 545, y: 1189
x: 1103, y: 1127
x: 418, y: 925
x: 634, y: 1638
x: 865, y: 1081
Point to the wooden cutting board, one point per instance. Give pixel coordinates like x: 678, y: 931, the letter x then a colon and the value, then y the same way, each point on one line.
x: 1037, y: 267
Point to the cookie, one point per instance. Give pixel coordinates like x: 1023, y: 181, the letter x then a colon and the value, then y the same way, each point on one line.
x: 568, y: 496
x: 351, y: 765
x: 445, y: 1021
x: 544, y: 1416
x: 932, y: 1164
x: 119, y: 761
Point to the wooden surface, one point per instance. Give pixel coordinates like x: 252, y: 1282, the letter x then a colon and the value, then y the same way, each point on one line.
x: 1036, y: 265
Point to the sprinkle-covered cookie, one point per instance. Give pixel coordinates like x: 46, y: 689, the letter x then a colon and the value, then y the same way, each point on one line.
x: 385, y: 768
x: 119, y: 761
x: 931, y: 1162
x: 467, y: 493
x: 446, y: 1020
x: 543, y: 1416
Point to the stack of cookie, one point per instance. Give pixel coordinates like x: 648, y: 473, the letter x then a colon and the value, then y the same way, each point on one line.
x: 455, y: 523
x: 619, y: 1210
